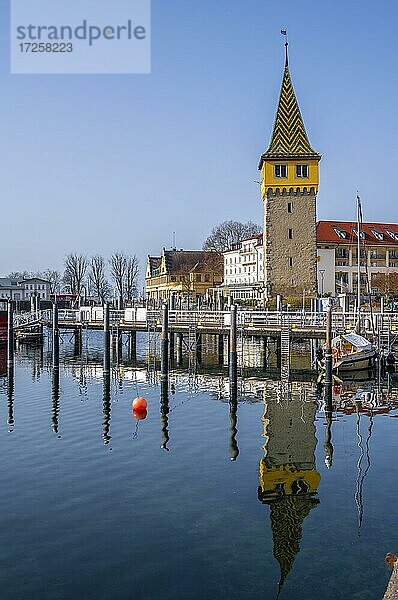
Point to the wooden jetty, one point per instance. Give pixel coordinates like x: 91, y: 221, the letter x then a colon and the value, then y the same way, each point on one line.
x: 299, y: 324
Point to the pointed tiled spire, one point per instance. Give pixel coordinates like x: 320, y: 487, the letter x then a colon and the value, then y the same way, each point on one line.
x: 289, y: 137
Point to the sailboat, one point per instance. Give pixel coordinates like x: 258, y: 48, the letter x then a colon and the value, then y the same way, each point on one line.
x: 351, y: 351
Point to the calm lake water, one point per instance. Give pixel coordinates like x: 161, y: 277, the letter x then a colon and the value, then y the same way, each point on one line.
x: 97, y: 505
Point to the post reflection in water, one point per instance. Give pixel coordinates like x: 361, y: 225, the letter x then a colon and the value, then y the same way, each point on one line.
x: 3, y: 361
x: 106, y: 408
x: 233, y: 411
x: 288, y: 477
x: 55, y: 401
x: 10, y: 398
x: 164, y: 413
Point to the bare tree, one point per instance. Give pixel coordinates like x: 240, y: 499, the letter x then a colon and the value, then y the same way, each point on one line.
x: 386, y: 283
x: 97, y: 278
x: 132, y: 272
x: 229, y: 233
x: 118, y: 263
x: 55, y: 279
x: 75, y: 272
x: 20, y: 275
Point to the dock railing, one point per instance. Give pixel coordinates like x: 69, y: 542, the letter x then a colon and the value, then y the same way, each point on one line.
x: 376, y: 323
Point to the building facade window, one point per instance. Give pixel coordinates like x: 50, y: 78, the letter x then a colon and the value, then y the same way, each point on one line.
x: 290, y: 261
x: 280, y: 171
x: 301, y: 170
x: 290, y: 207
x: 290, y: 234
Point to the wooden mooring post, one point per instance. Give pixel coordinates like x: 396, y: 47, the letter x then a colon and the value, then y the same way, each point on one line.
x: 328, y: 362
x: 164, y: 343
x: 171, y: 334
x: 55, y: 337
x: 107, y: 340
x: 10, y: 335
x: 233, y: 354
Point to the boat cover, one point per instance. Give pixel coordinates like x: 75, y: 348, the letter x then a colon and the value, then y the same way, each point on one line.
x: 361, y: 343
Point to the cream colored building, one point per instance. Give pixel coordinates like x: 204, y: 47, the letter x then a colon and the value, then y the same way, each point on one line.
x: 184, y: 274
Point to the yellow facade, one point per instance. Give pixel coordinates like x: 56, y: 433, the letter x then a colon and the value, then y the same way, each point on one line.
x: 271, y: 183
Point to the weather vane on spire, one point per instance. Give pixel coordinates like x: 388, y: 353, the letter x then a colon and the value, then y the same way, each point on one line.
x: 284, y: 32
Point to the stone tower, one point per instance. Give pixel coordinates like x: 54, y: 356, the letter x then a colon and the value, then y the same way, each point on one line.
x: 289, y: 185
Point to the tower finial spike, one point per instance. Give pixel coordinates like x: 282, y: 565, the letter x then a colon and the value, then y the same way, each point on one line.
x: 284, y: 32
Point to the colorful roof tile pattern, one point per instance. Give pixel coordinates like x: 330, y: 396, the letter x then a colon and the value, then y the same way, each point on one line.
x: 289, y: 137
x: 345, y: 232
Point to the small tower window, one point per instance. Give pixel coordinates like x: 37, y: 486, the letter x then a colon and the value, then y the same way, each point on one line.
x: 290, y: 234
x: 290, y: 261
x: 290, y: 207
x: 301, y: 170
x: 280, y: 170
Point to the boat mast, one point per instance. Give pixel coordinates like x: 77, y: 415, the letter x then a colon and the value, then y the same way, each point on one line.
x: 359, y: 255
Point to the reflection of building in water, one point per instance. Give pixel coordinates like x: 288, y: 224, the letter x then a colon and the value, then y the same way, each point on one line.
x: 288, y: 476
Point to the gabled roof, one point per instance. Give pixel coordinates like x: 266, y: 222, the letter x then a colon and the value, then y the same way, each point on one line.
x: 344, y: 232
x: 7, y: 282
x: 185, y: 261
x: 154, y: 261
x: 289, y: 137
x: 33, y: 279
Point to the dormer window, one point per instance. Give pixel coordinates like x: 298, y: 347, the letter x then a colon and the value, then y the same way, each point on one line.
x: 362, y: 234
x: 280, y: 170
x: 340, y: 232
x: 392, y: 234
x: 301, y: 170
x: 378, y: 234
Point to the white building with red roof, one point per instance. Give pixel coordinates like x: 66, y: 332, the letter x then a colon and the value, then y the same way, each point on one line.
x: 337, y: 254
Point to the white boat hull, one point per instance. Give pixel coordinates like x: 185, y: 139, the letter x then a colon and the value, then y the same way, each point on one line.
x: 357, y: 361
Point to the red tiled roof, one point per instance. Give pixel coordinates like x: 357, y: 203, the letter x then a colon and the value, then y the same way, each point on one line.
x: 343, y: 232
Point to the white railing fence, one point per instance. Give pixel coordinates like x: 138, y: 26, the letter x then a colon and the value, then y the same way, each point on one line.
x: 301, y: 320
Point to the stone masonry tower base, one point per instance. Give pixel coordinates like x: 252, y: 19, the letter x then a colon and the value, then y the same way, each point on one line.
x: 290, y: 242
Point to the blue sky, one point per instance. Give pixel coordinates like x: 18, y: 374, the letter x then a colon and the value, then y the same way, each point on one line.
x: 97, y: 163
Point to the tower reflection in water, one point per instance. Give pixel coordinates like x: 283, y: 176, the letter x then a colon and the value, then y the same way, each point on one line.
x: 288, y: 477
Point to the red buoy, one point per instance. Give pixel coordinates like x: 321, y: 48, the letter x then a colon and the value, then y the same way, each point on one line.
x: 140, y: 404
x: 140, y: 415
